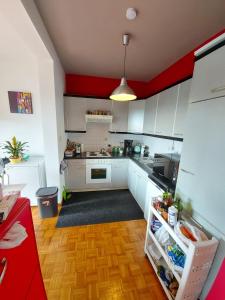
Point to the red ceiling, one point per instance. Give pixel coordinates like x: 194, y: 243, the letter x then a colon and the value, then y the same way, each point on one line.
x: 100, y: 87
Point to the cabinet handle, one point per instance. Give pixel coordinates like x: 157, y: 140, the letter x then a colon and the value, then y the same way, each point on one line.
x: 4, y: 264
x: 218, y: 89
x: 186, y: 171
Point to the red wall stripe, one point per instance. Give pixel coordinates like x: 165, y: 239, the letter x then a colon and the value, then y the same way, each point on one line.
x: 102, y: 87
x: 98, y: 86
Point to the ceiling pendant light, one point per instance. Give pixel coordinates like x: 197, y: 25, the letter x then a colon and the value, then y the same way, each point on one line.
x: 123, y: 92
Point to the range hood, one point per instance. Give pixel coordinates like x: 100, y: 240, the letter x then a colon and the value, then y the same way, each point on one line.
x: 98, y: 118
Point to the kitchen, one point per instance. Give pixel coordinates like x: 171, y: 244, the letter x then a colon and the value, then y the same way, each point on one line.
x: 155, y: 157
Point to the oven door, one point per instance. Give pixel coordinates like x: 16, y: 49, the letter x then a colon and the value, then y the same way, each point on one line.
x: 99, y: 173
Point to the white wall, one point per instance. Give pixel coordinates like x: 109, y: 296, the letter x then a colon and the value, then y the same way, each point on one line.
x: 97, y: 137
x: 158, y: 145
x: 51, y: 98
x: 16, y: 75
x: 23, y: 16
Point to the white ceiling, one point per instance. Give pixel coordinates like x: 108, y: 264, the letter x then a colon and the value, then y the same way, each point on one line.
x: 87, y: 34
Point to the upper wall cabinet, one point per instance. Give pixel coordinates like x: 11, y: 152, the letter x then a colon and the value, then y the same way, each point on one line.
x: 209, y: 76
x: 120, y: 116
x: 166, y: 111
x: 150, y: 114
x: 74, y: 113
x: 99, y: 104
x: 136, y: 116
x: 182, y: 107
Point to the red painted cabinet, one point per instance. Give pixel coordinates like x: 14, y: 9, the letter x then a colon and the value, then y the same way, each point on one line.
x: 22, y: 269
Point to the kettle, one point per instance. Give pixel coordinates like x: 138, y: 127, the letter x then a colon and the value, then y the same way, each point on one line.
x: 137, y: 148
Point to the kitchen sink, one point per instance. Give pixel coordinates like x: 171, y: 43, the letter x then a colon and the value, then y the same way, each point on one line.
x: 147, y: 161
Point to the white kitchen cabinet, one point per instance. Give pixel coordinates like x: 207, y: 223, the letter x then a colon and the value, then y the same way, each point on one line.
x: 74, y: 113
x: 150, y: 114
x: 31, y: 173
x: 120, y: 116
x: 119, y: 173
x: 137, y: 183
x: 136, y: 116
x: 132, y: 177
x: 152, y: 191
x: 209, y: 76
x: 75, y: 174
x: 166, y: 111
x: 182, y: 107
x: 141, y: 189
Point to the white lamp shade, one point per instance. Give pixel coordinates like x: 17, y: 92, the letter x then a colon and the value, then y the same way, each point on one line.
x: 123, y: 92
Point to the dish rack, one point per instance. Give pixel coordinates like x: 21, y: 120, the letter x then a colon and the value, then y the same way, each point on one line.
x: 198, y: 260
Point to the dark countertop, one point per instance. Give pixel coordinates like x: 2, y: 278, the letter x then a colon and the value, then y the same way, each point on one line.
x: 162, y: 182
x: 113, y: 156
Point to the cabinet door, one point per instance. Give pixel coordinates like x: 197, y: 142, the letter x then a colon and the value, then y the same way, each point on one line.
x: 75, y: 175
x: 119, y: 173
x: 141, y: 187
x: 136, y: 116
x: 132, y: 178
x: 152, y: 191
x: 150, y: 114
x: 166, y: 111
x: 209, y: 76
x: 182, y: 107
x: 74, y: 113
x: 120, y: 116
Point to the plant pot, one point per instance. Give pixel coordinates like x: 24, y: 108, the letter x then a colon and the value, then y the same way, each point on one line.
x: 15, y: 160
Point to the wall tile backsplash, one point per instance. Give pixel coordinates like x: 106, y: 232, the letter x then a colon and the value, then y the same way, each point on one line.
x: 97, y: 137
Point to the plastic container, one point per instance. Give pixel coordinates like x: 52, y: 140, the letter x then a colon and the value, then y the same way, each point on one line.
x: 47, y: 201
x: 172, y: 215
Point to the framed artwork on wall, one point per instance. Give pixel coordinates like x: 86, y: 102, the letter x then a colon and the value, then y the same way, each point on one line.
x: 20, y: 102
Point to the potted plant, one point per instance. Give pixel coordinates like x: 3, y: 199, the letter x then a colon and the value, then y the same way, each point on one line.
x: 66, y: 195
x: 15, y: 149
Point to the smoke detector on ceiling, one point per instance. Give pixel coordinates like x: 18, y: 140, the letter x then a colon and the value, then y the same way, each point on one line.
x: 131, y: 13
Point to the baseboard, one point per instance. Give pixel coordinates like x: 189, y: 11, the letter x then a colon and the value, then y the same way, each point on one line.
x: 99, y: 189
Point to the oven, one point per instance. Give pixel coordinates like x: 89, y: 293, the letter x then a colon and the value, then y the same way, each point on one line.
x: 98, y: 171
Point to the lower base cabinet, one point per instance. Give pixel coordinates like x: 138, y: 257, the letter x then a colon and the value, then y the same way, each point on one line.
x: 119, y: 173
x: 75, y: 174
x: 124, y: 173
x: 141, y: 188
x: 137, y: 183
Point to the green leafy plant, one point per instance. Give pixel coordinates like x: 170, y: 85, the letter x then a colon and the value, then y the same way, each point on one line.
x: 14, y: 148
x: 66, y: 195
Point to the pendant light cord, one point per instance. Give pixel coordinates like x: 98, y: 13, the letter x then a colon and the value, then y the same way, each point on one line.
x: 124, y: 61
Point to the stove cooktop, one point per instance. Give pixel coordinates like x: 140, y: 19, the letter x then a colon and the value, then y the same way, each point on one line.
x: 97, y: 154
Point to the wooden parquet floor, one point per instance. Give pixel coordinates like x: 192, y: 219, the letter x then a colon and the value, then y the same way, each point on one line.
x: 103, y: 261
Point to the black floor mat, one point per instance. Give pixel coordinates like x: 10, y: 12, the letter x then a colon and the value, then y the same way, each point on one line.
x: 99, y: 207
